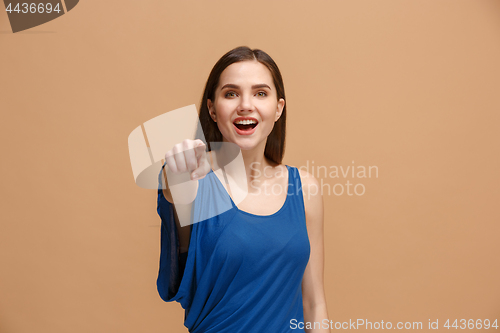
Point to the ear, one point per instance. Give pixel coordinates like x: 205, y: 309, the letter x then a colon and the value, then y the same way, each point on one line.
x: 211, y: 110
x: 279, y: 109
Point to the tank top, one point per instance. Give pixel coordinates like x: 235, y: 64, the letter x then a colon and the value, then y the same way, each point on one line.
x: 242, y: 272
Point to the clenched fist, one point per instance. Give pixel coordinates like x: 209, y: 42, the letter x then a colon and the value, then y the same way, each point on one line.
x: 188, y: 156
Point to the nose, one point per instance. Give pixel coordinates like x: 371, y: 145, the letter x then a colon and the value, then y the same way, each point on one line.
x: 246, y: 103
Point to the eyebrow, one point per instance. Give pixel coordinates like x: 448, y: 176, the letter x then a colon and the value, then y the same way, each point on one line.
x: 255, y: 86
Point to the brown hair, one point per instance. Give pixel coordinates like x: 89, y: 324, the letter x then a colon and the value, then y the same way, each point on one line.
x: 275, y: 145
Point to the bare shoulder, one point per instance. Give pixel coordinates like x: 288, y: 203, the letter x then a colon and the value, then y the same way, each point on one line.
x: 307, y: 179
x: 311, y: 191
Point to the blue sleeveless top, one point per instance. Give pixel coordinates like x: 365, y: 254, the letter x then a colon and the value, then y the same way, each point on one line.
x: 242, y: 272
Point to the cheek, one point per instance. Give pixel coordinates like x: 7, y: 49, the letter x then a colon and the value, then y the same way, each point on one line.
x: 270, y: 116
x: 224, y: 124
x: 223, y: 120
x: 223, y: 111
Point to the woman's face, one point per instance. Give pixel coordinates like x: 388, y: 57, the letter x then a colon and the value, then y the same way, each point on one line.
x: 246, y: 106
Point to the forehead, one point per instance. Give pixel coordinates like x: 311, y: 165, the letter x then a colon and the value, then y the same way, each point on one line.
x: 246, y: 73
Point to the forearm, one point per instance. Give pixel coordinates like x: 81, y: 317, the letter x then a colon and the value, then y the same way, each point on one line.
x: 316, y: 319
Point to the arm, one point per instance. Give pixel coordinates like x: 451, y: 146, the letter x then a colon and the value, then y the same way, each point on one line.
x: 187, y: 162
x: 185, y: 212
x: 314, y: 300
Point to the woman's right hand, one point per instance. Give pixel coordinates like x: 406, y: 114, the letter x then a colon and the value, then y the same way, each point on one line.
x: 188, y: 156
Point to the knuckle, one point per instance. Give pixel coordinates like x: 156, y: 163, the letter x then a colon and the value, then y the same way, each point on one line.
x: 199, y: 143
x: 186, y: 144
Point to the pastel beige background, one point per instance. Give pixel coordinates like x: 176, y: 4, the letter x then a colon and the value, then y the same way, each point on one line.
x: 411, y: 87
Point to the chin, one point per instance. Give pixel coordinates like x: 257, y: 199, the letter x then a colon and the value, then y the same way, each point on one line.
x: 243, y: 145
x: 249, y: 144
x: 246, y: 147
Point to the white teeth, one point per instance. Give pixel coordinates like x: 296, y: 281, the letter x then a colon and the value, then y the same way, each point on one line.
x: 246, y: 122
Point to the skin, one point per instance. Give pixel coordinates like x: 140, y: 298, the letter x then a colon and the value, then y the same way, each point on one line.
x: 263, y: 104
x: 313, y: 294
x: 237, y: 95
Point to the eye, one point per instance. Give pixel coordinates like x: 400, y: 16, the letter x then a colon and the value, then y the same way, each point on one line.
x: 263, y: 93
x: 230, y: 94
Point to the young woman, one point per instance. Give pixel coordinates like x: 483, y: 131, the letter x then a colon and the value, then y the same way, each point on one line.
x: 254, y: 266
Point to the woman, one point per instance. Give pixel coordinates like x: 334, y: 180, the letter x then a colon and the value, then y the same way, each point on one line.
x: 255, y: 266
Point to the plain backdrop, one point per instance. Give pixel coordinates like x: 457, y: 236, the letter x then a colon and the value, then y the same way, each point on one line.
x: 411, y: 87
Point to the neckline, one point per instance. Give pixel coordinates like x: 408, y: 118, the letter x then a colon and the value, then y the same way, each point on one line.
x: 255, y: 215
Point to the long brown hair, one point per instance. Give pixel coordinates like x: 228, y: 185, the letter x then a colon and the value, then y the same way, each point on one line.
x: 275, y: 145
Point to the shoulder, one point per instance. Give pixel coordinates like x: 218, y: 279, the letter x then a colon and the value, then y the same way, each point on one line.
x: 307, y: 179
x: 311, y: 190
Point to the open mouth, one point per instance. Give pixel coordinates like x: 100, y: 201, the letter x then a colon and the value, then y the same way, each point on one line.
x: 245, y: 127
